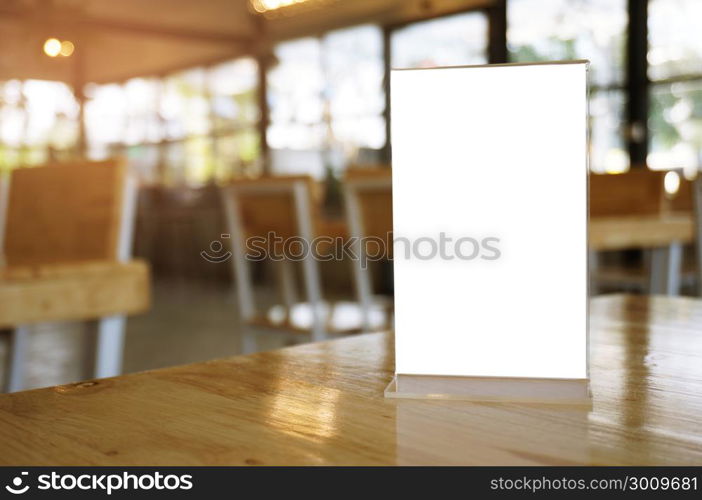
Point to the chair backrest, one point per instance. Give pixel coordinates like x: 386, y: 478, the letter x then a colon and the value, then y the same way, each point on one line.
x: 270, y: 204
x: 368, y: 196
x: 636, y: 192
x: 66, y: 213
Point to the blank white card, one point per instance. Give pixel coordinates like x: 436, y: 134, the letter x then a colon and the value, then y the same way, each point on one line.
x: 490, y: 220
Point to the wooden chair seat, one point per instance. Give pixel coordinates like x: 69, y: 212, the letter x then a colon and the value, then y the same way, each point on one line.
x: 631, y: 211
x: 72, y: 292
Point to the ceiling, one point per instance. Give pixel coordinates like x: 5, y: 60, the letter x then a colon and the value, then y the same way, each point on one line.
x: 120, y: 39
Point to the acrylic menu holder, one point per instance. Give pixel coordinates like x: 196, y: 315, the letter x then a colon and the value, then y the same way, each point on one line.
x: 490, y: 233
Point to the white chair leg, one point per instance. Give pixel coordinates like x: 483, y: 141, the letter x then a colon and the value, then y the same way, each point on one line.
x: 249, y: 341
x: 666, y: 263
x: 109, y: 346
x: 314, y: 297
x: 364, y: 292
x: 16, y: 359
x: 361, y: 273
x: 658, y: 275
x: 287, y: 283
x: 310, y: 270
x: 675, y: 258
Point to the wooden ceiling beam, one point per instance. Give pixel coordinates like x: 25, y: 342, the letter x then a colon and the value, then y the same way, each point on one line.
x: 163, y: 31
x: 145, y: 29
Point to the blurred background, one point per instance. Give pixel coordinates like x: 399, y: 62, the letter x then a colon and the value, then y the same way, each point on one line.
x: 196, y: 95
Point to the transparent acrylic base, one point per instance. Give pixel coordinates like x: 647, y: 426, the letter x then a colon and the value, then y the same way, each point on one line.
x: 491, y: 389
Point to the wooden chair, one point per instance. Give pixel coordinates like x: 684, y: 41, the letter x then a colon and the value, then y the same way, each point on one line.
x: 368, y: 200
x: 66, y: 239
x: 638, y: 193
x: 282, y: 207
x: 285, y: 207
x: 689, y: 198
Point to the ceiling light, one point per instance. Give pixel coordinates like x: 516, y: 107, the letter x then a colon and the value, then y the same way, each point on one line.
x: 284, y: 7
x: 67, y: 48
x: 266, y: 5
x: 52, y: 47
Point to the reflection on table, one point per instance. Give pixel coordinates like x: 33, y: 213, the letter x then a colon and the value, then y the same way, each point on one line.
x: 323, y: 404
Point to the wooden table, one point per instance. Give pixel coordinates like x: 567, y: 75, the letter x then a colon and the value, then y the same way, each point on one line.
x: 323, y: 404
x: 664, y: 234
x: 620, y: 233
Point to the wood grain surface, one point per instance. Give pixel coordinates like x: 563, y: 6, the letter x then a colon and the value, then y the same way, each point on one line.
x: 323, y: 403
x: 78, y: 291
x: 64, y: 213
x: 639, y: 191
x: 640, y: 231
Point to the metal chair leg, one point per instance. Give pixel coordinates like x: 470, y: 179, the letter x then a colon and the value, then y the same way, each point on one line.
x: 16, y: 359
x: 109, y: 345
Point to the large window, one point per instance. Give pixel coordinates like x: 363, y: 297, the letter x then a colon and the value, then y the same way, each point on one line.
x: 353, y: 65
x: 326, y: 98
x: 296, y: 96
x: 38, y: 123
x: 105, y: 118
x: 675, y: 71
x: 187, y: 128
x: 326, y: 101
x: 456, y: 40
x: 547, y: 30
